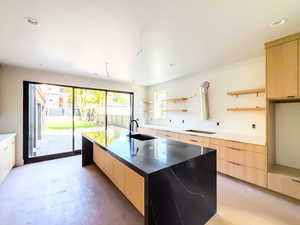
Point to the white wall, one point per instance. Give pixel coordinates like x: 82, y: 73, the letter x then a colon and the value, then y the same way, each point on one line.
x: 287, y: 134
x: 11, y: 96
x: 243, y: 75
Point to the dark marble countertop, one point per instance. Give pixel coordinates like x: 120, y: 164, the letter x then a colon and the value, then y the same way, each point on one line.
x: 147, y: 156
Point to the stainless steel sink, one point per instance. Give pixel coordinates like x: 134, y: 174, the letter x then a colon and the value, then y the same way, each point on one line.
x: 200, y: 131
x: 142, y: 137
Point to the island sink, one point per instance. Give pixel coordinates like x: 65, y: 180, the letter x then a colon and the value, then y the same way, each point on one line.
x: 142, y: 137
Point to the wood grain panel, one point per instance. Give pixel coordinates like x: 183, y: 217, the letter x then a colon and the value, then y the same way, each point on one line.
x: 284, y: 184
x: 128, y: 182
x: 256, y: 160
x: 134, y: 189
x: 256, y: 176
x: 282, y: 70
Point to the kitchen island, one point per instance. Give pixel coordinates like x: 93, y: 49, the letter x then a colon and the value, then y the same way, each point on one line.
x: 168, y: 182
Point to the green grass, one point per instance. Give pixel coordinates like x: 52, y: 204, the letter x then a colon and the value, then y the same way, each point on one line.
x: 65, y: 125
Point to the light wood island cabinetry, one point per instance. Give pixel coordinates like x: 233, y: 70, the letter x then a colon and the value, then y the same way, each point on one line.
x: 125, y: 179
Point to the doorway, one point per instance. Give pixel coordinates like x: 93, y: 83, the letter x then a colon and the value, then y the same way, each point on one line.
x: 55, y: 116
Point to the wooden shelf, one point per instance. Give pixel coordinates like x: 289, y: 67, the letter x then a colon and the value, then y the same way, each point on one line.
x: 249, y: 91
x: 175, y: 110
x: 284, y: 170
x: 148, y: 111
x: 148, y: 102
x: 176, y: 99
x: 247, y: 109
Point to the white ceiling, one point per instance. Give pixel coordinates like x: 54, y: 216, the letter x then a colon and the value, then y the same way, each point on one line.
x: 139, y: 38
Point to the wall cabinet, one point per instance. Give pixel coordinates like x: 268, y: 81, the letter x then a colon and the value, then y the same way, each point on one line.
x: 283, y: 65
x: 7, y: 156
x: 282, y: 70
x: 244, y: 161
x: 125, y: 179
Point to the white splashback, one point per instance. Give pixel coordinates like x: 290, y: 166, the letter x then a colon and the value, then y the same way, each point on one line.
x: 244, y: 75
x: 288, y: 134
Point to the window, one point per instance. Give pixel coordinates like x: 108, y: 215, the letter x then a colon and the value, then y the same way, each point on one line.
x: 159, y: 104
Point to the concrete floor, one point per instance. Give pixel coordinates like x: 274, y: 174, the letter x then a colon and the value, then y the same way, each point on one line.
x: 61, y: 192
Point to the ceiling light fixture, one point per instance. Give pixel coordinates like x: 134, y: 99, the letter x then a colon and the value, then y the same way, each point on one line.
x: 278, y: 22
x: 32, y: 21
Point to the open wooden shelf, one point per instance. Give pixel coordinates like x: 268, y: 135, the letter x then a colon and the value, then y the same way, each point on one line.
x: 176, y: 99
x: 247, y: 109
x: 175, y: 110
x: 249, y: 91
x: 148, y: 111
x: 284, y: 170
x: 148, y: 102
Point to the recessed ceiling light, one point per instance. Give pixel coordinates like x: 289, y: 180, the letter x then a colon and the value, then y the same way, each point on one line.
x: 32, y: 21
x: 278, y: 22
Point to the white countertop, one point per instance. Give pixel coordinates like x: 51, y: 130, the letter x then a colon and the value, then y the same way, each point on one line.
x: 3, y: 137
x: 251, y: 139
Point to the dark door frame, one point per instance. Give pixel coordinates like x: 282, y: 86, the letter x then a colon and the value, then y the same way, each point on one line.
x: 26, y: 120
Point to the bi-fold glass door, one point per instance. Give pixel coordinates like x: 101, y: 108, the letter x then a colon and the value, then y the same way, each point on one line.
x: 56, y: 116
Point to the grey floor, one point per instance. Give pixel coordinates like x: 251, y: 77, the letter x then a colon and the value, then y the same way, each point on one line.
x: 61, y: 192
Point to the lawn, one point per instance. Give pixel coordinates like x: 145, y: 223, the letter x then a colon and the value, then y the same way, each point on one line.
x: 64, y: 125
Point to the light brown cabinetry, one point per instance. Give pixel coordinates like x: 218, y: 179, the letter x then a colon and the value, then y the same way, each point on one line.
x: 130, y: 183
x: 244, y: 161
x: 7, y: 156
x: 282, y: 70
x: 284, y: 184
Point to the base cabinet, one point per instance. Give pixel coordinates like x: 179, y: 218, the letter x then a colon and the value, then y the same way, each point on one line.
x: 284, y: 184
x: 130, y: 183
x: 7, y: 157
x: 244, y: 161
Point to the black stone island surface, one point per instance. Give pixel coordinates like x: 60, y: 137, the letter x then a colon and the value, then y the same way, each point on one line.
x: 179, y: 179
x: 146, y: 156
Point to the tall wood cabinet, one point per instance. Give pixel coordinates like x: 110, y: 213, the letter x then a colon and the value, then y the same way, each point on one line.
x: 282, y: 70
x: 283, y: 86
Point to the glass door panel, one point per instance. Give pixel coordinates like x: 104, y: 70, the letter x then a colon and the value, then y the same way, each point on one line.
x: 89, y: 112
x: 50, y: 120
x: 119, y: 110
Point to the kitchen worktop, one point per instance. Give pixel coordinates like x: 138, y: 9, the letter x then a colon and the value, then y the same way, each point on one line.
x: 146, y: 156
x: 4, y: 137
x: 250, y: 139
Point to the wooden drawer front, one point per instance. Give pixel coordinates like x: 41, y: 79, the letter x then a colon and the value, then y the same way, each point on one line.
x: 168, y: 135
x: 284, y: 184
x: 232, y: 169
x: 195, y: 140
x: 147, y: 131
x: 256, y: 148
x: 256, y: 176
x: 234, y: 144
x: 232, y: 154
x: 251, y: 175
x: 256, y: 160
